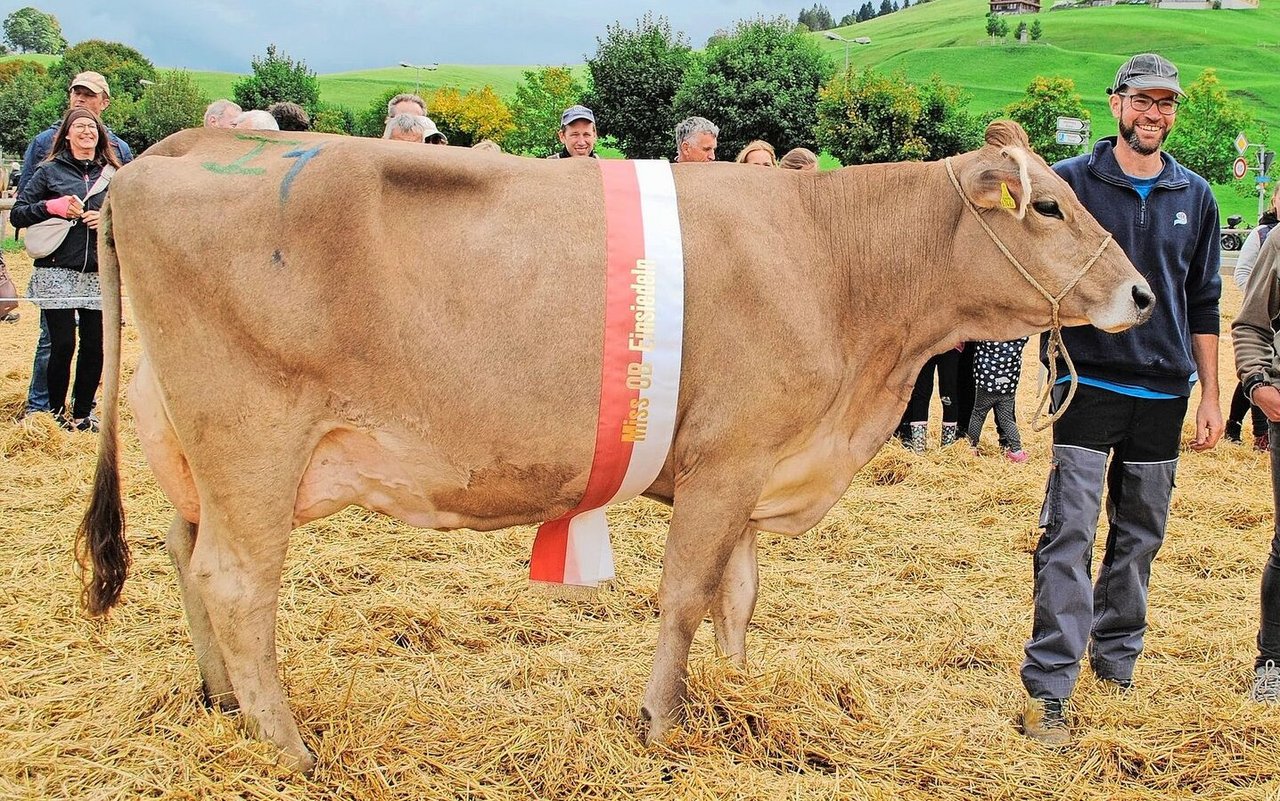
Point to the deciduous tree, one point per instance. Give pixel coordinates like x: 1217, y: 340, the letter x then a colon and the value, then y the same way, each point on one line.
x: 467, y: 117
x: 761, y: 82
x: 173, y: 102
x: 1206, y: 125
x: 123, y: 67
x: 276, y: 77
x: 19, y: 94
x: 334, y: 119
x: 540, y: 99
x: 1038, y: 110
x: 33, y: 31
x: 635, y: 74
x: 867, y: 117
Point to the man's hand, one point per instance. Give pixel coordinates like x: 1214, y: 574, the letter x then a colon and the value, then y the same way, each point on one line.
x: 1209, y: 423
x: 1267, y: 398
x: 90, y: 219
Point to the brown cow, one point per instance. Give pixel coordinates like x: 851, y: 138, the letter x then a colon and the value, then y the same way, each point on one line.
x: 329, y: 321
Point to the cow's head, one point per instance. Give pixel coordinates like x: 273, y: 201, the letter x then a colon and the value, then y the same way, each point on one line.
x: 1034, y: 214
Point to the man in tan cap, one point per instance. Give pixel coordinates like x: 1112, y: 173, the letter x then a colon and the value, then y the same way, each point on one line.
x: 88, y: 90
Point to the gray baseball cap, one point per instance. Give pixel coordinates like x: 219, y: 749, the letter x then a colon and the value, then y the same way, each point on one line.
x: 1147, y: 71
x: 573, y: 113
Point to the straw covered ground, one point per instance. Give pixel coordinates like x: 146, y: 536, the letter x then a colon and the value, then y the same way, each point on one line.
x: 883, y: 662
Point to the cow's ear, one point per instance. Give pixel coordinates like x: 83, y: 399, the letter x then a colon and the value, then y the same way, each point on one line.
x: 1006, y: 185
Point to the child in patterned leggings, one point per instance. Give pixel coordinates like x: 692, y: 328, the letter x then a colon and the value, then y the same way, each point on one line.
x: 997, y: 366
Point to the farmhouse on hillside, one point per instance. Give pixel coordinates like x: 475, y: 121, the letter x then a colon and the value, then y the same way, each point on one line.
x: 1015, y: 6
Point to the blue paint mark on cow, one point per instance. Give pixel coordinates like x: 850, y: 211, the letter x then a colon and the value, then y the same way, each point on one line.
x: 302, y: 156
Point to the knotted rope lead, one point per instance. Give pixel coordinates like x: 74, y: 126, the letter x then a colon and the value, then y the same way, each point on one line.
x: 1056, y: 345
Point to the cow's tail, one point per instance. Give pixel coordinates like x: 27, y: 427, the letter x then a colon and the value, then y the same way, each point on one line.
x: 101, y: 549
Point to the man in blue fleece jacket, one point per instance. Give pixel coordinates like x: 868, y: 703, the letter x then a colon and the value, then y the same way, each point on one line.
x: 1132, y: 399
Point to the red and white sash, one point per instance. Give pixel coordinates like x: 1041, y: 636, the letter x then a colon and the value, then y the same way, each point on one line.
x: 640, y: 375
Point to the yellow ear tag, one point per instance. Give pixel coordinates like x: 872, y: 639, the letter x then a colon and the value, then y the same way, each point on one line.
x: 1006, y: 199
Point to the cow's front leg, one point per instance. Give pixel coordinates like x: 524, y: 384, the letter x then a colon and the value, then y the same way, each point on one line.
x: 736, y: 599
x: 213, y: 669
x: 707, y: 521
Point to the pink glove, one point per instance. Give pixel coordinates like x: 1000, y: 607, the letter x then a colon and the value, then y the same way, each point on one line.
x: 58, y: 206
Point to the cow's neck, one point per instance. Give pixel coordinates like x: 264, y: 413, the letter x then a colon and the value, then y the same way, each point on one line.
x: 900, y: 264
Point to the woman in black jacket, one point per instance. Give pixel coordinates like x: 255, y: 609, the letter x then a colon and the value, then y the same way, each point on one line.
x: 65, y: 283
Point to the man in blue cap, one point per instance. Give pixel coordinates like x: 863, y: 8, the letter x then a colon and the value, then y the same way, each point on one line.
x: 577, y: 134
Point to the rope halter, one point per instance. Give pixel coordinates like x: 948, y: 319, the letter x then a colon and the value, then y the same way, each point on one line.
x: 1056, y: 345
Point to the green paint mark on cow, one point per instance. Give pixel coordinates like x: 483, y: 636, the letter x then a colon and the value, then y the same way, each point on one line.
x: 238, y: 167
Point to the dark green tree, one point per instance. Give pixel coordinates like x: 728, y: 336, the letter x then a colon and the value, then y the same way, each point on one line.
x: 540, y: 99
x: 997, y: 26
x: 331, y: 118
x: 886, y: 7
x: 1208, y: 121
x: 848, y: 19
x: 1035, y: 31
x: 170, y: 104
x: 867, y: 117
x: 817, y: 18
x: 1038, y: 111
x: 866, y: 12
x: 49, y: 110
x: 19, y: 95
x: 635, y: 74
x: 33, y: 31
x: 761, y: 82
x: 277, y: 77
x: 1021, y: 29
x: 122, y: 66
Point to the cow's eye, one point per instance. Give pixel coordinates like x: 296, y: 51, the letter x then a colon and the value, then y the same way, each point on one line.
x: 1048, y: 208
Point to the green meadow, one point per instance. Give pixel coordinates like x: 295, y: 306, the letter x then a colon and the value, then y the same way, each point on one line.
x: 947, y: 38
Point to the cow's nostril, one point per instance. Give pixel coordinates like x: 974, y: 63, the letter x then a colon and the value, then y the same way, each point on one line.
x: 1142, y: 297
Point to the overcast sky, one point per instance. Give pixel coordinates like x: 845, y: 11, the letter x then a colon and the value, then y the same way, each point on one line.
x: 335, y: 36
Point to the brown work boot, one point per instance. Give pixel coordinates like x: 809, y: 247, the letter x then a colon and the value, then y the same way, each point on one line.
x: 1045, y: 721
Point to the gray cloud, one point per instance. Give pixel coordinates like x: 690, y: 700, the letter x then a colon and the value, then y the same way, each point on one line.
x: 335, y: 36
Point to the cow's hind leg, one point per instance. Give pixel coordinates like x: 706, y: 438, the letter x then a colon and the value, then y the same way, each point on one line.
x: 213, y: 669
x: 236, y: 564
x: 706, y: 523
x: 736, y: 600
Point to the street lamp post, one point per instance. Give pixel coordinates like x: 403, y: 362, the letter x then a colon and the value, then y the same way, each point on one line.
x: 417, y: 72
x: 835, y: 37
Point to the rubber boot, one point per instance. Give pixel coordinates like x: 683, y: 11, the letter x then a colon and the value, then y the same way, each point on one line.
x: 919, y: 435
x: 948, y: 434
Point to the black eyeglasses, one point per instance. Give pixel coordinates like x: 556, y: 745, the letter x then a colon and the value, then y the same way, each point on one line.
x: 1168, y: 106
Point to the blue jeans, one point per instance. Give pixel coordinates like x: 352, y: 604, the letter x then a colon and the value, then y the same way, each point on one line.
x: 38, y: 393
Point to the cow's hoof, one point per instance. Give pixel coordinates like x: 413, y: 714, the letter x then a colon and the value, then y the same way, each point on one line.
x: 655, y: 729
x: 303, y: 762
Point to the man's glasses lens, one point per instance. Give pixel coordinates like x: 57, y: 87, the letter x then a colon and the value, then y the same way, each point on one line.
x: 1144, y: 103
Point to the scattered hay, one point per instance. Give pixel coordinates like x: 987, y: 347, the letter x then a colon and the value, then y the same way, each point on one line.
x: 883, y: 661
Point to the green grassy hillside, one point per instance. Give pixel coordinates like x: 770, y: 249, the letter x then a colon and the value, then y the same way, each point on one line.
x: 948, y: 37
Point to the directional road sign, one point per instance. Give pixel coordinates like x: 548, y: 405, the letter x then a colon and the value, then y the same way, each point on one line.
x: 1071, y: 124
x: 1071, y: 138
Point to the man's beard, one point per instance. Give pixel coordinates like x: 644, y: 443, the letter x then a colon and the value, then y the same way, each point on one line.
x: 1130, y: 135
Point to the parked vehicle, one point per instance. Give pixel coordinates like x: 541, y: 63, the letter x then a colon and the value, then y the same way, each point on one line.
x: 1233, y: 236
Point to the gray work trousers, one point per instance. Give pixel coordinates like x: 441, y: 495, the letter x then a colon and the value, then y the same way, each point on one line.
x: 1073, y: 613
